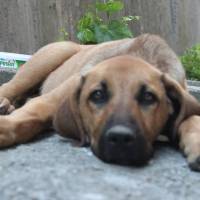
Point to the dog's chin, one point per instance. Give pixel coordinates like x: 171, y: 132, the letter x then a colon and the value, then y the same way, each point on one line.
x: 138, y: 160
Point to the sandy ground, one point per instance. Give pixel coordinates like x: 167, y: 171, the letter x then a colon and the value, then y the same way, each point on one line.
x: 51, y: 168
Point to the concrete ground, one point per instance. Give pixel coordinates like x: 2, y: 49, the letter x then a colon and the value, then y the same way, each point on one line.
x: 51, y: 168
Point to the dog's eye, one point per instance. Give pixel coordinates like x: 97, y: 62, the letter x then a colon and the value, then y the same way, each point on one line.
x: 147, y: 98
x: 98, y: 96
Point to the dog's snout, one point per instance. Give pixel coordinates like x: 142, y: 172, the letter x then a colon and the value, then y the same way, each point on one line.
x: 120, y: 136
x: 124, y: 145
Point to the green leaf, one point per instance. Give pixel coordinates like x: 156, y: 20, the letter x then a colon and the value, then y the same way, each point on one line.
x: 191, y: 62
x: 86, y: 36
x: 91, y: 28
x: 110, y: 6
x: 119, y: 29
x: 101, y: 6
x: 102, y: 33
x: 86, y: 21
x: 63, y: 34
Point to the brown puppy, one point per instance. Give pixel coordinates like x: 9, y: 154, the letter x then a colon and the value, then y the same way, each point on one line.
x: 118, y: 96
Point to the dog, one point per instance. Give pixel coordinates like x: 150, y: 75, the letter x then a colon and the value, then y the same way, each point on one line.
x: 117, y: 96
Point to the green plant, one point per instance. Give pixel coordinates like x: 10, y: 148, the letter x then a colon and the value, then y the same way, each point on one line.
x: 93, y: 28
x: 63, y: 34
x: 191, y: 62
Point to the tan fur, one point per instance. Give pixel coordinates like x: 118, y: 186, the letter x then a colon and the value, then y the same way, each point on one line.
x: 190, y: 141
x: 65, y: 68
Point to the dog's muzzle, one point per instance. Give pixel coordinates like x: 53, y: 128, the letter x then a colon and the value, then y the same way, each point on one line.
x: 123, y: 145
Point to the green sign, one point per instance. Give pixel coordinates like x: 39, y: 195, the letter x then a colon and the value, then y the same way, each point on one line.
x: 12, y: 61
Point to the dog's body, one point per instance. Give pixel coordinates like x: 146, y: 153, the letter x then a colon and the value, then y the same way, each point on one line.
x: 118, y: 96
x: 153, y: 50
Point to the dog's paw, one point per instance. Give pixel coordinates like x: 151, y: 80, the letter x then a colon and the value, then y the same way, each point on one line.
x: 5, y: 106
x: 7, y: 133
x: 190, y: 146
x: 195, y: 164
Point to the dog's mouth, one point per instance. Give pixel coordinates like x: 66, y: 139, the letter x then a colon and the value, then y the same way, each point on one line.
x: 120, y: 145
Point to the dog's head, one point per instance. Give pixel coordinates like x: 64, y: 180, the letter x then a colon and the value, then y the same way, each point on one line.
x: 121, y: 106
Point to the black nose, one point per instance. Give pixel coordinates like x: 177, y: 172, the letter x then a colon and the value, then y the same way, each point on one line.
x: 120, y: 136
x: 123, y: 145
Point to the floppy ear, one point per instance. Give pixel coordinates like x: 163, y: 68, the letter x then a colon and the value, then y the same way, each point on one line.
x: 67, y: 120
x: 184, y: 105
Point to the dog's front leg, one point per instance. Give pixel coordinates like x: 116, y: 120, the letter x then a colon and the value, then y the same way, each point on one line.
x: 29, y: 120
x: 35, y: 71
x: 189, y: 133
x: 26, y: 122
